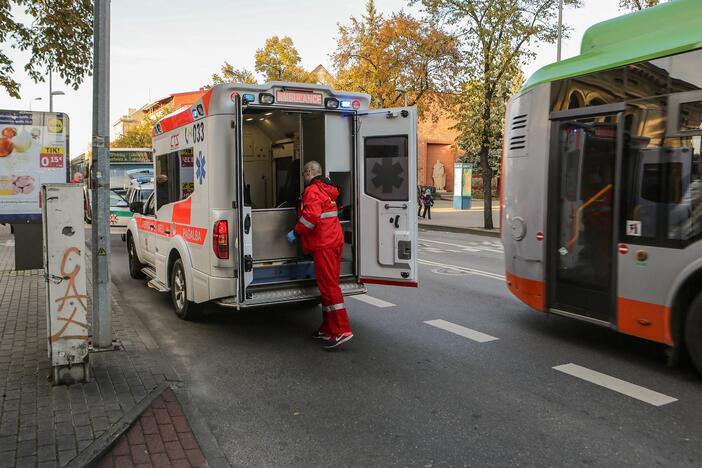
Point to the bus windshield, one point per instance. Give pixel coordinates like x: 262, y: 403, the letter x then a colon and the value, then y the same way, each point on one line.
x: 118, y: 174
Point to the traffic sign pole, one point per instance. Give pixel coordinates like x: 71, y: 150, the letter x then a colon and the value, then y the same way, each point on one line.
x: 100, y: 179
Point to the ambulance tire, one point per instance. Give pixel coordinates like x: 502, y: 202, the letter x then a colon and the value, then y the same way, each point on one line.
x: 693, y: 332
x: 184, y: 309
x: 135, y: 265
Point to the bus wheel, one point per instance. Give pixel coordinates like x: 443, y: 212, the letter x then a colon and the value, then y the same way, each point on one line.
x: 693, y: 332
x: 135, y: 265
x: 184, y: 309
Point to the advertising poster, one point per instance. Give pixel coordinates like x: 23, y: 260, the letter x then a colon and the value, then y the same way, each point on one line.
x: 33, y: 151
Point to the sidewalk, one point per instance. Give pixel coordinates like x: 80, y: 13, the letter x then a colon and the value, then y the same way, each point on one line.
x: 445, y: 218
x: 48, y: 426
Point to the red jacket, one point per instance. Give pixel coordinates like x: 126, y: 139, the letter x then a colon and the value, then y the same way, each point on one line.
x: 318, y: 217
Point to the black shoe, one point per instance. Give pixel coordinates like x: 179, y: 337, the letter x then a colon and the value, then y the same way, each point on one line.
x: 337, y: 340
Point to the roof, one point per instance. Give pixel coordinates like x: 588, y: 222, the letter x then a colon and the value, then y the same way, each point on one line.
x: 667, y: 29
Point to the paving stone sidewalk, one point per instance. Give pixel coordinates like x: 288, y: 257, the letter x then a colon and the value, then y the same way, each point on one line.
x: 47, y: 426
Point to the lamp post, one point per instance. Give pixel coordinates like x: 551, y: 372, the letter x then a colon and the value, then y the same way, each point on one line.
x: 31, y: 101
x: 53, y: 93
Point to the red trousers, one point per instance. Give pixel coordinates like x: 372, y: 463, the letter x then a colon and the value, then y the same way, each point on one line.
x: 327, y: 268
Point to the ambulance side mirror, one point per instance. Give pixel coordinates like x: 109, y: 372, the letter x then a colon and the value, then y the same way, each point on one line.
x: 137, y: 207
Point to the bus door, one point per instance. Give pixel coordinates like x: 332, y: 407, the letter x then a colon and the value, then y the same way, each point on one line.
x: 386, y: 169
x: 244, y: 231
x: 581, y: 215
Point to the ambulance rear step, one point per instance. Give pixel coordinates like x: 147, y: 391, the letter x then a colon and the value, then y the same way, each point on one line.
x: 259, y: 297
x: 154, y: 282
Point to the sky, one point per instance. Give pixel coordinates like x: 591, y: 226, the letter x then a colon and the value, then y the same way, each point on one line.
x: 159, y: 47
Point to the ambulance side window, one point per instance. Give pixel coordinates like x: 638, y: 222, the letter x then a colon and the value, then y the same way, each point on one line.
x: 167, y: 179
x: 386, y: 164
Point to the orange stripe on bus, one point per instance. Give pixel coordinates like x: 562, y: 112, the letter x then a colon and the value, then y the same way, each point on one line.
x: 529, y: 291
x: 182, y: 210
x: 645, y: 320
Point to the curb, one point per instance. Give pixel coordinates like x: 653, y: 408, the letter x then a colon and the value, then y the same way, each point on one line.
x: 476, y: 231
x: 102, y: 444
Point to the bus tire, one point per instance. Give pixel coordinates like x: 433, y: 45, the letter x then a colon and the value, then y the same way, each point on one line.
x: 693, y: 332
x: 135, y: 265
x: 184, y: 308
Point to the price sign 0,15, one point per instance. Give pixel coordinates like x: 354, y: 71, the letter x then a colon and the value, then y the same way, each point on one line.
x: 51, y: 157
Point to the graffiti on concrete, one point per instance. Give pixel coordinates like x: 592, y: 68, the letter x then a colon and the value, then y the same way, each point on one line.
x: 72, y: 297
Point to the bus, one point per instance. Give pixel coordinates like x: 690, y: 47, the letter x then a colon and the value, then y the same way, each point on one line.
x: 601, y: 204
x: 122, y: 162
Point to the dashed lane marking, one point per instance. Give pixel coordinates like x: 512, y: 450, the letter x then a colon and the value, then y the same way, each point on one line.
x: 471, y: 271
x: 374, y: 301
x: 477, y: 248
x: 465, y: 332
x: 617, y: 385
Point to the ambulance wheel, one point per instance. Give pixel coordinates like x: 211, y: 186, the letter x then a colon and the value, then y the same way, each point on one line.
x: 184, y: 309
x: 693, y: 332
x: 135, y: 265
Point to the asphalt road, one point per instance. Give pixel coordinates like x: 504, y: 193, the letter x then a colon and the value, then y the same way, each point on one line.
x: 407, y: 393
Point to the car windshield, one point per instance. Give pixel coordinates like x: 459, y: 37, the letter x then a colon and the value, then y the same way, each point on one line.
x: 116, y: 198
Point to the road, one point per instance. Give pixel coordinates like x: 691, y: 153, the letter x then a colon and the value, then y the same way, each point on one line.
x: 405, y: 392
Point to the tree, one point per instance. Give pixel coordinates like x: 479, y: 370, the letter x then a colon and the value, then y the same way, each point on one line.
x: 279, y: 60
x: 59, y: 36
x: 139, y: 136
x: 637, y: 4
x: 384, y: 57
x: 233, y: 75
x: 495, y: 37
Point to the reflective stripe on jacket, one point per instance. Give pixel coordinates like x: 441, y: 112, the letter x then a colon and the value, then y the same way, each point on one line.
x: 318, y: 219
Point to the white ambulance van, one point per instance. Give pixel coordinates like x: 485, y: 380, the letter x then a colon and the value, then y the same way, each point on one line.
x: 228, y: 176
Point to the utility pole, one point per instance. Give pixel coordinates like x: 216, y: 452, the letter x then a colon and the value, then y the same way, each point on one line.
x: 560, y: 28
x: 51, y: 93
x: 100, y: 178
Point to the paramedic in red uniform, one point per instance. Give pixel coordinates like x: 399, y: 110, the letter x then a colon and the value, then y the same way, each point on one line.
x: 320, y: 231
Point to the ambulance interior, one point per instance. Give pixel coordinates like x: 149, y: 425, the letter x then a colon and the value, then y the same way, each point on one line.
x: 276, y: 146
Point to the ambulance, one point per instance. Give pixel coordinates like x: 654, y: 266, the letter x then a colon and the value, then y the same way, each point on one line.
x: 228, y: 178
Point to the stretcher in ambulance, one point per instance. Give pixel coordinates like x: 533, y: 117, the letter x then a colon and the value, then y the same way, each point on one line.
x: 228, y: 176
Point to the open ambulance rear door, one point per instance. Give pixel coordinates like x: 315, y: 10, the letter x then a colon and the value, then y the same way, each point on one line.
x: 386, y: 169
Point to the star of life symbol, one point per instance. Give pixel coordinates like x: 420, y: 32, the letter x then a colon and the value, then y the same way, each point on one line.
x: 200, y: 163
x: 387, y: 175
x: 113, y: 219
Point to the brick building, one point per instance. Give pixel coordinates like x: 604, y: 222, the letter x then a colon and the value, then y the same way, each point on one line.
x: 436, y: 142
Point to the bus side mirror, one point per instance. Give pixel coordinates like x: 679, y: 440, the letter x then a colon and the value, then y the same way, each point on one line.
x: 137, y: 207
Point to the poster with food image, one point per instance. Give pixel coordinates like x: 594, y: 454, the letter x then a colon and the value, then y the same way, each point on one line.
x: 33, y: 151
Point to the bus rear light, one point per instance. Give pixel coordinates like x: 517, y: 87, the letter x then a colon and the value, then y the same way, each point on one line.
x: 220, y: 239
x: 265, y: 98
x: 331, y: 103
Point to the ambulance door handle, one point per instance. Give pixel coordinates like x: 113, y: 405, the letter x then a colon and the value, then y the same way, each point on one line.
x: 397, y: 221
x: 403, y: 206
x: 247, y: 224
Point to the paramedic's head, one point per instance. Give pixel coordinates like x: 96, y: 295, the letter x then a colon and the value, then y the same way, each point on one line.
x: 311, y: 170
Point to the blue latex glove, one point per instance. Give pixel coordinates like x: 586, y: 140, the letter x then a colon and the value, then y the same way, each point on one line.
x: 292, y: 237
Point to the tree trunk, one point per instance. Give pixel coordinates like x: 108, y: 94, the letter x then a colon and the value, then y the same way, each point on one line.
x: 487, y: 186
x: 485, y: 160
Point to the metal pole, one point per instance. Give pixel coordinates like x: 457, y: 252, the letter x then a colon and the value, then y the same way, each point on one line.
x: 51, y: 94
x: 102, y: 313
x: 560, y: 28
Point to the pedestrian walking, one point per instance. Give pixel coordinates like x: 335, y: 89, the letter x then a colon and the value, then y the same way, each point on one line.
x: 319, y: 229
x: 420, y: 201
x: 428, y: 202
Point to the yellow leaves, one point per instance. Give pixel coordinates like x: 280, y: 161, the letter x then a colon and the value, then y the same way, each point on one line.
x: 279, y: 60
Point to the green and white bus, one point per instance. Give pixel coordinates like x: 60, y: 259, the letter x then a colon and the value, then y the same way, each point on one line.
x: 602, y: 192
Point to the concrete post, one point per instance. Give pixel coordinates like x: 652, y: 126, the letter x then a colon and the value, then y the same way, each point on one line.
x: 102, y: 312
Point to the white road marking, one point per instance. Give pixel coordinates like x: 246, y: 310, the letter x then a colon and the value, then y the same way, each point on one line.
x: 374, y: 301
x: 477, y: 248
x: 462, y: 331
x: 471, y: 271
x: 617, y: 385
